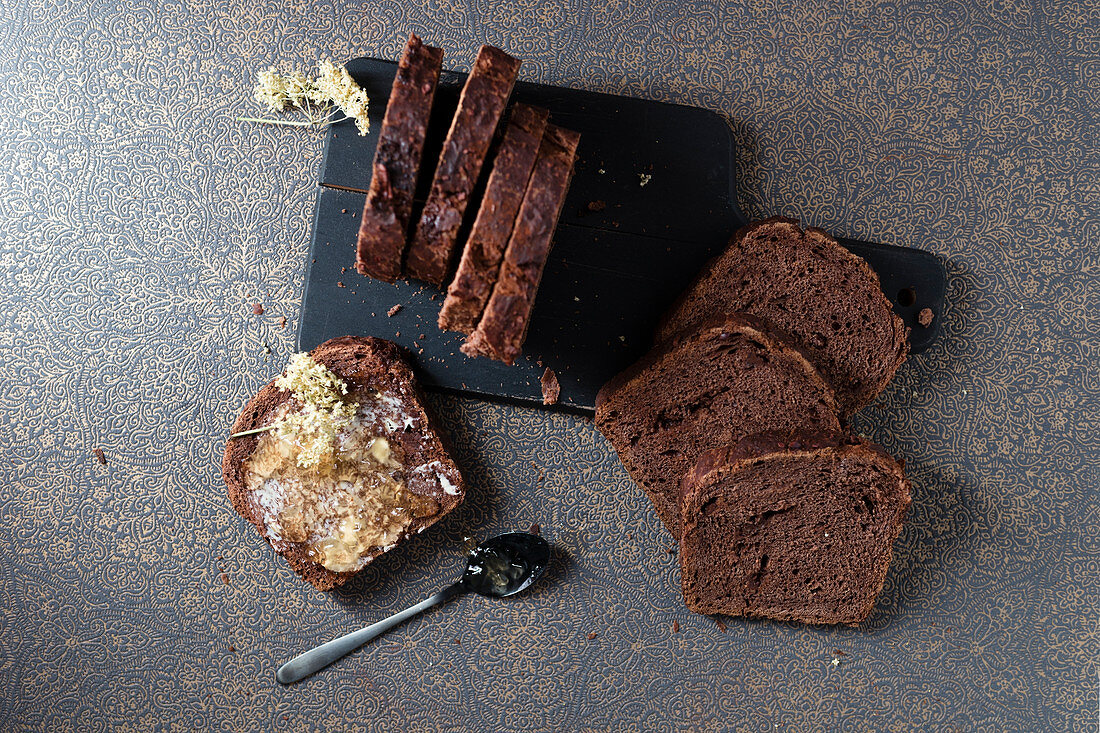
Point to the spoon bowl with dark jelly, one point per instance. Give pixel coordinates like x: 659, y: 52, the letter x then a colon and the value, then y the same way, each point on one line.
x: 497, y: 568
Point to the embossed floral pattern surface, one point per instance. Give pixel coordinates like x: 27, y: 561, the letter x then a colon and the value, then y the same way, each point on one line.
x: 141, y: 223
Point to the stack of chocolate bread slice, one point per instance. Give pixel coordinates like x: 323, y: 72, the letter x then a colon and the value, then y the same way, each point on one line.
x: 523, y: 167
x: 825, y: 298
x: 503, y: 326
x: 733, y: 425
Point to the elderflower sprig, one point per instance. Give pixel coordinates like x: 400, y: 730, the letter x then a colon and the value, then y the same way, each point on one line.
x: 324, y: 412
x: 314, y: 429
x: 311, y: 382
x: 323, y: 415
x: 320, y: 97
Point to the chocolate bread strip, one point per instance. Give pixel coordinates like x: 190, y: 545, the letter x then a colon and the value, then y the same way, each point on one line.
x: 503, y: 326
x: 480, y: 263
x: 479, y: 111
x: 385, y: 223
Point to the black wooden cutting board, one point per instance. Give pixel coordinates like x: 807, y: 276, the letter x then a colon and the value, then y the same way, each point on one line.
x: 651, y: 201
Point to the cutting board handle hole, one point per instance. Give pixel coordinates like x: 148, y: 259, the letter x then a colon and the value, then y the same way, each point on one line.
x: 907, y: 297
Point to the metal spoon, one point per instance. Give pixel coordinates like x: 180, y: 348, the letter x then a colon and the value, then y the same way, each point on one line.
x: 499, y: 567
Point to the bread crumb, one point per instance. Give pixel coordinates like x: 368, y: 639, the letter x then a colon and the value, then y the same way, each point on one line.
x: 232, y: 648
x: 644, y: 178
x: 601, y: 171
x: 340, y: 285
x: 551, y: 388
x: 225, y: 578
x: 721, y: 624
x: 257, y: 309
x: 343, y: 211
x: 534, y: 529
x: 840, y: 653
x: 671, y: 549
x: 457, y: 640
x: 591, y: 635
x: 597, y: 205
x: 836, y: 662
x: 676, y: 627
x: 394, y: 311
x: 100, y: 456
x: 924, y: 318
x: 282, y: 322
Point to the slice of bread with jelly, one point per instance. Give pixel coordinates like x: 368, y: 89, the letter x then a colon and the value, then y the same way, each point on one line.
x: 702, y: 389
x: 828, y: 300
x: 381, y: 474
x: 794, y: 527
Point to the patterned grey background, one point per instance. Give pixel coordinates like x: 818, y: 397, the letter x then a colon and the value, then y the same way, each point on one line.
x: 140, y: 222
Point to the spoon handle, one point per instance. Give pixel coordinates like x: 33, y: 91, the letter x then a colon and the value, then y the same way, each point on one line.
x: 321, y: 656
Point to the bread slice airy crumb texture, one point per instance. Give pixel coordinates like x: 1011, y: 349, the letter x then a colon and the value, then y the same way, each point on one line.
x: 792, y: 527
x: 704, y: 388
x: 828, y: 300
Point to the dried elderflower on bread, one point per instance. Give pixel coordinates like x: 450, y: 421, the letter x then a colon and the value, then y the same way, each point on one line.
x: 324, y: 412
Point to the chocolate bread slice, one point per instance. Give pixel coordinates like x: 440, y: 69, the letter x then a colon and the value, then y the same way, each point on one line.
x: 828, y: 300
x: 796, y: 527
x: 385, y: 223
x: 477, y: 270
x: 503, y: 326
x: 480, y: 107
x: 704, y: 388
x: 390, y: 476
